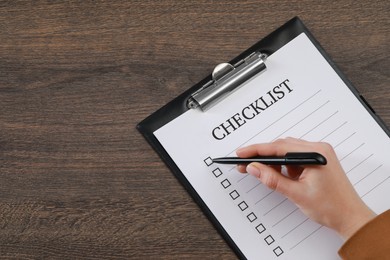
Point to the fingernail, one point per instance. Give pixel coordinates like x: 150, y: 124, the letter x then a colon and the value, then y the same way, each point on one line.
x: 241, y: 168
x: 253, y: 170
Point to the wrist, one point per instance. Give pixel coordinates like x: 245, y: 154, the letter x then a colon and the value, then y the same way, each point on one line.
x: 356, y: 220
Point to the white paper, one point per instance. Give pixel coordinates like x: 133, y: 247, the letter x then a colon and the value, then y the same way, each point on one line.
x: 319, y: 107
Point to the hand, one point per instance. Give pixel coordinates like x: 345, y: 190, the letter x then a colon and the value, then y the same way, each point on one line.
x: 323, y: 193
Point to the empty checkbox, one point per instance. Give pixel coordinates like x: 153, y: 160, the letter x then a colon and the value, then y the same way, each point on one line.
x: 269, y: 239
x: 260, y: 228
x: 225, y: 183
x: 234, y: 194
x: 243, y: 206
x: 217, y: 172
x: 278, y: 251
x: 208, y: 161
x: 252, y: 217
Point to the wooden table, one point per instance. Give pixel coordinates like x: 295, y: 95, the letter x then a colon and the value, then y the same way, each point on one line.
x: 76, y: 178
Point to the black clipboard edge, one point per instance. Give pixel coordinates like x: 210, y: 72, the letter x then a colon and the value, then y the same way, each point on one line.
x: 152, y: 140
x: 349, y: 84
x: 177, y: 106
x: 268, y: 45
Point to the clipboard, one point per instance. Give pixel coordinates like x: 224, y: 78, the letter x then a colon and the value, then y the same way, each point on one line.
x: 224, y: 80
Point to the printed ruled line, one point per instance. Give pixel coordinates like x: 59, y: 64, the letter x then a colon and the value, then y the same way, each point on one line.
x: 337, y: 128
x: 284, y: 217
x: 306, y: 237
x: 274, y: 207
x: 357, y: 165
x: 265, y: 196
x: 334, y: 147
x: 300, y: 121
x: 323, y: 121
x: 258, y: 184
x: 376, y: 186
x: 243, y: 178
x: 306, y: 219
x: 368, y: 174
x: 352, y: 152
x: 232, y: 168
x: 277, y: 120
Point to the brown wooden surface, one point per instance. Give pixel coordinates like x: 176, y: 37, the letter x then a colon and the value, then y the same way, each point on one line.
x: 76, y: 178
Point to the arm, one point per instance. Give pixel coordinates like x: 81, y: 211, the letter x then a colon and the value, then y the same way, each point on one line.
x: 323, y: 193
x: 372, y: 241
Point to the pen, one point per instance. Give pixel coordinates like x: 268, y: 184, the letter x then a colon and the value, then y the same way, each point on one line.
x: 306, y: 158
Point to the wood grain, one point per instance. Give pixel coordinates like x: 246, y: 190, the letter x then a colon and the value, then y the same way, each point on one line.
x: 76, y: 178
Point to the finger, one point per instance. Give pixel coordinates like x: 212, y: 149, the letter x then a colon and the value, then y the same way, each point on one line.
x: 294, y: 171
x: 277, y: 168
x: 241, y: 168
x: 274, y: 179
x: 296, y: 140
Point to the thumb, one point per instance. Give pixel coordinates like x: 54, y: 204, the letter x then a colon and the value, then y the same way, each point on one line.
x: 273, y: 179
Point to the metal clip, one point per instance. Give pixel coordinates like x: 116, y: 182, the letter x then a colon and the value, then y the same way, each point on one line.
x: 225, y: 79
